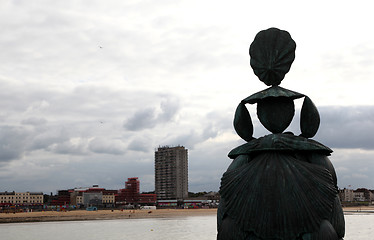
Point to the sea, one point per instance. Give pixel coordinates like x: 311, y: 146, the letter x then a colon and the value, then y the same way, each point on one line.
x: 358, y: 227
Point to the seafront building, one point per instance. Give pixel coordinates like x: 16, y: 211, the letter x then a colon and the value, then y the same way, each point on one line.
x: 171, y: 173
x: 21, y: 198
x: 101, y: 197
x: 358, y: 195
x: 346, y: 195
x: 131, y: 194
x: 92, y: 196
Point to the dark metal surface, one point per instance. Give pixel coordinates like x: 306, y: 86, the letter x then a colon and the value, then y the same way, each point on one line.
x: 279, y: 186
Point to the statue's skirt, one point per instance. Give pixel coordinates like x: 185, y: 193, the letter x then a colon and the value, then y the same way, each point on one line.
x: 277, y: 195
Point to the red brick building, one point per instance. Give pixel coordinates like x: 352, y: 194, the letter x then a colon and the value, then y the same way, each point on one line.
x: 62, y: 198
x: 131, y: 195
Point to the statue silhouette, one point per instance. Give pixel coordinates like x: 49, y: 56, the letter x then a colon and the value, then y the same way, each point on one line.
x: 280, y: 186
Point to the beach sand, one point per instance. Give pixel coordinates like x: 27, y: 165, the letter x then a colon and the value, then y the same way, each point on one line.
x: 363, y: 209
x: 80, y: 215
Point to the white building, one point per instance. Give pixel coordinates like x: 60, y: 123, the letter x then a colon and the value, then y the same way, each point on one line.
x: 25, y: 198
x: 346, y: 195
x: 358, y: 196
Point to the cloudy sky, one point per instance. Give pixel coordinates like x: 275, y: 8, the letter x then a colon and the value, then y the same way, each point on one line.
x: 89, y: 89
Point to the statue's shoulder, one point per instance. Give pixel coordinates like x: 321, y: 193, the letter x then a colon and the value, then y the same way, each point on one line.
x: 279, y: 142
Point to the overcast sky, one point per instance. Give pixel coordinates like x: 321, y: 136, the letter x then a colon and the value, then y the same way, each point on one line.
x: 89, y: 89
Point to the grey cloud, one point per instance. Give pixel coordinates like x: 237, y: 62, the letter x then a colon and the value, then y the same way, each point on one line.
x: 210, y: 131
x: 70, y: 147
x: 83, y: 111
x: 142, y: 119
x: 208, y: 126
x: 188, y: 139
x: 217, y: 122
x: 353, y: 167
x: 169, y: 107
x: 204, y: 41
x: 347, y: 127
x: 35, y: 121
x: 45, y: 138
x: 150, y: 117
x: 140, y: 145
x: 13, y: 141
x: 84, y: 102
x: 360, y: 175
x: 107, y: 146
x: 207, y: 164
x: 353, y: 65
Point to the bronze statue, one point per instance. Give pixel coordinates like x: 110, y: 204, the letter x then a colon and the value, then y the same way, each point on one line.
x: 280, y: 186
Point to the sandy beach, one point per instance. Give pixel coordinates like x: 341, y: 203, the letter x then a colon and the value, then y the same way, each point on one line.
x: 363, y: 209
x: 79, y: 215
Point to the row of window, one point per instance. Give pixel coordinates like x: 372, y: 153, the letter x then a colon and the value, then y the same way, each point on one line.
x: 33, y: 197
x: 19, y: 201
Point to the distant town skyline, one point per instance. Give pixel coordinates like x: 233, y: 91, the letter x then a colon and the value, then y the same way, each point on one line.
x: 89, y: 90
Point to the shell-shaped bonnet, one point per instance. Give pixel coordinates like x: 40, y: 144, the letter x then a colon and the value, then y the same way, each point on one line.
x: 272, y: 53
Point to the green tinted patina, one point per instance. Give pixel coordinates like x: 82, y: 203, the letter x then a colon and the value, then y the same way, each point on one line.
x: 279, y: 186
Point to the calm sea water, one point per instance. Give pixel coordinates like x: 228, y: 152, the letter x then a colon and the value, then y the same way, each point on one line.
x: 358, y: 227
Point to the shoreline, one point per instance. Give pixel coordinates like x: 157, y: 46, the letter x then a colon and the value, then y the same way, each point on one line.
x: 83, y: 215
